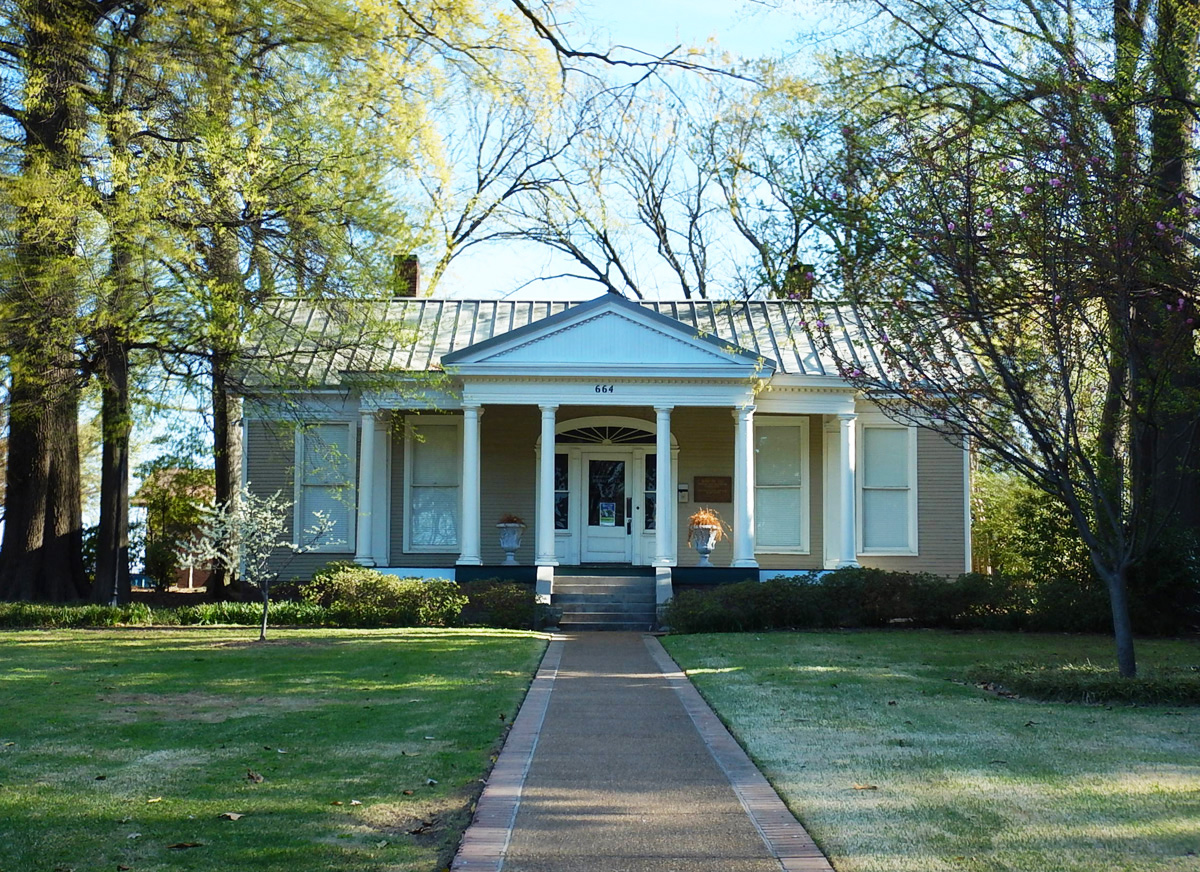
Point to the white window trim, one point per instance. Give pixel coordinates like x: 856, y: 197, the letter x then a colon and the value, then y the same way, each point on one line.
x: 881, y: 422
x: 804, y: 422
x: 302, y: 520
x: 416, y: 422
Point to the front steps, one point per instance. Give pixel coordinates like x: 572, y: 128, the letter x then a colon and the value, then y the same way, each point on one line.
x: 606, y: 602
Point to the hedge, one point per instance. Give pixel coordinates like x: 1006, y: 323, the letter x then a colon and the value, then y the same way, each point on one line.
x: 878, y: 598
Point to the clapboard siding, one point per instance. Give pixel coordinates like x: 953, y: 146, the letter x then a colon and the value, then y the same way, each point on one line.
x: 508, y: 474
x: 705, y: 439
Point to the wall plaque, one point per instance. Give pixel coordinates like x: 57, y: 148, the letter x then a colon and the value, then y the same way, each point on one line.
x: 713, y: 488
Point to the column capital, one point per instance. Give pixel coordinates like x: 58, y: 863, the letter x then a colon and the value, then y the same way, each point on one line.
x: 847, y: 416
x: 743, y: 413
x: 664, y: 407
x: 473, y: 406
x: 548, y: 407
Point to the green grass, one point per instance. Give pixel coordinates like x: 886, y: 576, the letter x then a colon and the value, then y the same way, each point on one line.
x: 895, y: 763
x: 116, y: 745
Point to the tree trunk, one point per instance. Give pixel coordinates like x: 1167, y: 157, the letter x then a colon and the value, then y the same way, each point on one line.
x: 227, y: 456
x: 41, y: 553
x: 112, y: 546
x: 41, y: 557
x: 1118, y: 594
x: 1166, y: 458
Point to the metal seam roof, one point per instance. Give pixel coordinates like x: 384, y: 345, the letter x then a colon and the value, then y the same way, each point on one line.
x: 779, y: 330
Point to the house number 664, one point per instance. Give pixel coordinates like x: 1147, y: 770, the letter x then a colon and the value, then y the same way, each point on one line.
x: 605, y: 389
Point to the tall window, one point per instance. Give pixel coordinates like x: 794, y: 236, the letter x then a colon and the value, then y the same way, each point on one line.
x: 432, y: 479
x: 650, y: 491
x: 887, y: 490
x: 781, y: 484
x: 562, y: 492
x: 325, y: 484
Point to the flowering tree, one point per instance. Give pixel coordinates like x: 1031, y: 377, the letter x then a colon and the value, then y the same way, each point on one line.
x: 241, y: 535
x: 1035, y: 287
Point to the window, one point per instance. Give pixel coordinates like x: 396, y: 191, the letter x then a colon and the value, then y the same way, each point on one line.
x: 562, y: 492
x: 781, y: 484
x: 432, y: 479
x: 325, y: 483
x: 650, y: 490
x: 887, y: 490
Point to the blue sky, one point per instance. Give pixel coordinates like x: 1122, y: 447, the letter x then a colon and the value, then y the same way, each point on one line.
x: 741, y: 27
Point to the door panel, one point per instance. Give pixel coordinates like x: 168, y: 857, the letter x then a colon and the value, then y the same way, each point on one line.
x: 606, y: 534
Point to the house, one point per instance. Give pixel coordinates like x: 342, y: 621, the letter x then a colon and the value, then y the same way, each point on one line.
x: 603, y: 424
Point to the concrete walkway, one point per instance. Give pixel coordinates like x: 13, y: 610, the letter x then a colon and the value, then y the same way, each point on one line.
x: 616, y: 764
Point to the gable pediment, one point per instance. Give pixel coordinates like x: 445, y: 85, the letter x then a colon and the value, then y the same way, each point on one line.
x: 607, y: 335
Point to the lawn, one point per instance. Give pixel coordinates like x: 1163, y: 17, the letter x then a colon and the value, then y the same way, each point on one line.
x: 201, y: 749
x: 893, y: 762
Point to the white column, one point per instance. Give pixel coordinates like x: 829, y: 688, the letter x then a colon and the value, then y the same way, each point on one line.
x: 363, y: 545
x: 545, y: 503
x: 743, y: 488
x: 664, y: 530
x: 469, y: 554
x: 847, y: 449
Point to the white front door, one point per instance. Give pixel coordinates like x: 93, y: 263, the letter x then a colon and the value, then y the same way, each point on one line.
x: 607, y: 516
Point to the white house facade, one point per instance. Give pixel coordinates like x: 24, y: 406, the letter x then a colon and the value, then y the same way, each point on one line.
x: 604, y: 425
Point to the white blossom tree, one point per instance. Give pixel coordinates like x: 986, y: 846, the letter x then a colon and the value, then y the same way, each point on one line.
x: 240, y: 536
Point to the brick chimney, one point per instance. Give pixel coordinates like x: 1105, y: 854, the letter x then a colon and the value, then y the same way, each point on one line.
x: 406, y: 275
x: 798, y: 282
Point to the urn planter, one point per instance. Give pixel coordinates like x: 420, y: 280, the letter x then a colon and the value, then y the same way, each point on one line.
x: 704, y: 539
x: 510, y: 541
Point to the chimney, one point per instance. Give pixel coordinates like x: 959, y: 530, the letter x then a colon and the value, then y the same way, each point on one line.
x: 406, y: 275
x: 798, y: 282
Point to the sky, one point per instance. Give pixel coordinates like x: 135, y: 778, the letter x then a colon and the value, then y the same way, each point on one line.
x: 744, y: 27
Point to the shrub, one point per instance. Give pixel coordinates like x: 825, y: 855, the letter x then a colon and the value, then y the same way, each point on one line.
x: 1088, y: 683
x: 363, y: 597
x: 861, y: 597
x: 207, y: 614
x: 494, y: 602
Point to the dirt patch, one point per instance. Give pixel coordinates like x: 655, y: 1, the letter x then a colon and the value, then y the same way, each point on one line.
x: 271, y: 643
x: 205, y: 708
x: 429, y: 823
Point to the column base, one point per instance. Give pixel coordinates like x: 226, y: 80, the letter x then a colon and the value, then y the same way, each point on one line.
x: 468, y: 561
x: 848, y: 564
x: 663, y: 589
x: 745, y: 564
x: 365, y: 561
x: 545, y: 583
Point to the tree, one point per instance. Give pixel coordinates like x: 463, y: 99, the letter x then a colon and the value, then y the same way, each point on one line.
x: 1035, y: 257
x: 45, y: 52
x: 243, y: 534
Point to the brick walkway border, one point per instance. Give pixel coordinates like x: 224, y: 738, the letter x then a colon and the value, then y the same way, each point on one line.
x: 783, y: 835
x: 486, y: 839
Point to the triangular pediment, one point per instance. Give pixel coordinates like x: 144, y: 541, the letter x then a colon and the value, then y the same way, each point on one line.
x: 607, y: 334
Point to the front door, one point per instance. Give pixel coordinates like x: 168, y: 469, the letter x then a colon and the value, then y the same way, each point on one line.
x: 607, y: 508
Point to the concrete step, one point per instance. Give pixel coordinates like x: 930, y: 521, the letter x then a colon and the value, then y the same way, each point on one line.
x: 640, y: 618
x: 560, y: 585
x: 618, y: 596
x: 573, y: 608
x: 629, y: 626
x: 605, y: 617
